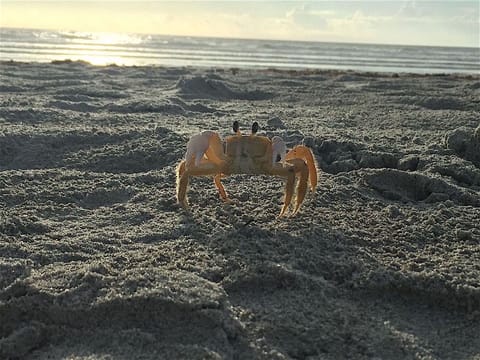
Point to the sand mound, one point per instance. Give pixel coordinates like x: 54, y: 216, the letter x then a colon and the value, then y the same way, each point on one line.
x: 344, y: 156
x: 434, y: 289
x: 464, y: 174
x: 180, y: 304
x: 206, y: 87
x: 465, y: 143
x: 28, y: 115
x: 275, y: 123
x: 173, y: 106
x: 74, y: 106
x: 404, y: 186
x: 146, y: 107
x: 131, y: 151
x: 72, y: 89
x: 445, y: 103
x: 197, y: 107
x: 22, y: 225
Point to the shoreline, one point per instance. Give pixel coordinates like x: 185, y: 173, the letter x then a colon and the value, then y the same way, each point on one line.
x: 234, y: 69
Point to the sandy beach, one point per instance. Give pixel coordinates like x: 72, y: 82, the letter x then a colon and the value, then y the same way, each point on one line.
x: 97, y: 261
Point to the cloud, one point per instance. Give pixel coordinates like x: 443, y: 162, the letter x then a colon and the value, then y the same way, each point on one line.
x: 356, y: 27
x: 305, y: 17
x: 440, y: 12
x: 468, y: 15
x: 318, y: 21
x: 411, y: 9
x: 412, y: 22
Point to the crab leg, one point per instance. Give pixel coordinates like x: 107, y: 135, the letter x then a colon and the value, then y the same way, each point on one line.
x: 289, y: 189
x: 288, y: 172
x: 182, y: 183
x: 205, y: 168
x: 221, y: 189
x: 204, y: 157
x: 215, y: 154
x: 302, y: 170
x: 303, y: 152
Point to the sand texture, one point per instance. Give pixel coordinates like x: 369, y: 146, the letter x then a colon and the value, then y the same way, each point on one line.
x: 98, y: 262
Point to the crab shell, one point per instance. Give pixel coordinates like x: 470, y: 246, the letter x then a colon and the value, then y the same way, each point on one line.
x: 207, y: 155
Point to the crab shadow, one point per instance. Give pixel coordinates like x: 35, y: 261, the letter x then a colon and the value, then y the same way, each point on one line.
x: 310, y: 289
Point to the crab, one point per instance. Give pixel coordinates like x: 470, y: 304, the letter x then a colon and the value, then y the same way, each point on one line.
x: 208, y: 155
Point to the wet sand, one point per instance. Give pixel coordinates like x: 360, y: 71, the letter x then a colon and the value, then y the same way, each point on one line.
x: 98, y: 262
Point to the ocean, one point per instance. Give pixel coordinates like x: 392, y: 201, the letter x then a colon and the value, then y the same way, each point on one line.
x: 29, y: 45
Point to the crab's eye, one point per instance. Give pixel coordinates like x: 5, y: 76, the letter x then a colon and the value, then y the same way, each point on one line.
x: 236, y: 126
x: 254, y: 127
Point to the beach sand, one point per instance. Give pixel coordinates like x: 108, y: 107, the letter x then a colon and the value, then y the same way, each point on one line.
x: 98, y: 262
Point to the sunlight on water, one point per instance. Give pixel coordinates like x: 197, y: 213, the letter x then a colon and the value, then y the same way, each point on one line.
x: 95, y: 48
x: 136, y: 49
x: 102, y: 60
x: 101, y: 44
x: 119, y: 39
x: 102, y: 38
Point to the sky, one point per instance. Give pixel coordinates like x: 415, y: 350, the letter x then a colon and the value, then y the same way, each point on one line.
x: 422, y: 22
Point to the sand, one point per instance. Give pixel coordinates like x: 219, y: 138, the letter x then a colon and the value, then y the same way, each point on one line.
x: 98, y: 262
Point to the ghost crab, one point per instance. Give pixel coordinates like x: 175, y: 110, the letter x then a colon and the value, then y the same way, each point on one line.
x: 207, y: 155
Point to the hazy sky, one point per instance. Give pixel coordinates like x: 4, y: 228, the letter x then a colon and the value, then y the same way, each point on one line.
x: 451, y: 23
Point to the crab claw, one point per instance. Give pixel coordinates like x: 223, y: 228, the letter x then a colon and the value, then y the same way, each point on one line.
x: 197, y: 147
x: 303, y: 152
x: 204, y: 157
x: 279, y: 149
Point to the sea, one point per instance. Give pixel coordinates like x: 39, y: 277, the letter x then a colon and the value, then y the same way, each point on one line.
x: 30, y: 45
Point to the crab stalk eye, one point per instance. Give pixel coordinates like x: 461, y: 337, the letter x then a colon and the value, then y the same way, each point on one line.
x: 236, y: 127
x: 254, y: 128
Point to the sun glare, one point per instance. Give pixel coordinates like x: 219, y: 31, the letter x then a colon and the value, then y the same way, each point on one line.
x: 97, y: 48
x: 102, y: 38
x: 115, y: 39
x: 104, y: 60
